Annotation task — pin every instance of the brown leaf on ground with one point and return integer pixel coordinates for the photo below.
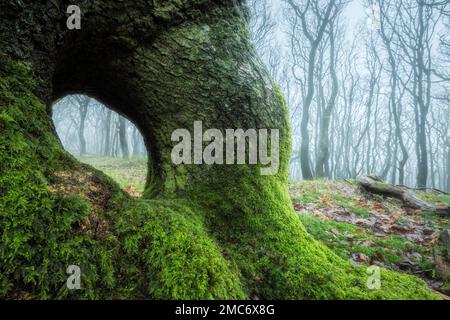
(88, 186)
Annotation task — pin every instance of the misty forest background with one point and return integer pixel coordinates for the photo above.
(366, 83)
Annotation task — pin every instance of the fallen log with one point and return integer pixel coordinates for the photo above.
(376, 185)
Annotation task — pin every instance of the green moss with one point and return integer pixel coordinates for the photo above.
(277, 257)
(362, 212)
(444, 199)
(435, 198)
(226, 233)
(153, 250)
(40, 229)
(308, 197)
(168, 242)
(434, 221)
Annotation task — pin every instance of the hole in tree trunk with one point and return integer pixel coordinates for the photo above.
(104, 139)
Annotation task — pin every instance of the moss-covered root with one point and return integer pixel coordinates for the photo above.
(277, 257)
(167, 242)
(144, 249)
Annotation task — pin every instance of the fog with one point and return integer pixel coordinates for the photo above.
(87, 127)
(366, 83)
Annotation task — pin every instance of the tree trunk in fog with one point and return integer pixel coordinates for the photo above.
(82, 138)
(314, 38)
(83, 104)
(136, 143)
(395, 102)
(107, 146)
(432, 173)
(405, 156)
(448, 166)
(396, 109)
(115, 141)
(305, 139)
(375, 68)
(418, 41)
(421, 139)
(123, 138)
(324, 139)
(395, 155)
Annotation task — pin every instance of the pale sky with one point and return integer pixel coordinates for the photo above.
(354, 13)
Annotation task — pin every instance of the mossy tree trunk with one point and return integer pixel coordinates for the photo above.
(219, 231)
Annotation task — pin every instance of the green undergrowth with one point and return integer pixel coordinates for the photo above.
(439, 199)
(128, 173)
(346, 239)
(234, 236)
(322, 194)
(434, 221)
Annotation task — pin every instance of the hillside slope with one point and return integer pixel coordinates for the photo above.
(370, 229)
(363, 228)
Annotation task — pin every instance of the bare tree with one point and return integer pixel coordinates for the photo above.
(82, 103)
(322, 165)
(310, 20)
(414, 33)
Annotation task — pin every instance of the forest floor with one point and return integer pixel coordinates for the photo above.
(363, 228)
(130, 173)
(370, 229)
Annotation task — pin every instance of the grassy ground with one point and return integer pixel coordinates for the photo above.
(437, 198)
(130, 173)
(369, 229)
(366, 229)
